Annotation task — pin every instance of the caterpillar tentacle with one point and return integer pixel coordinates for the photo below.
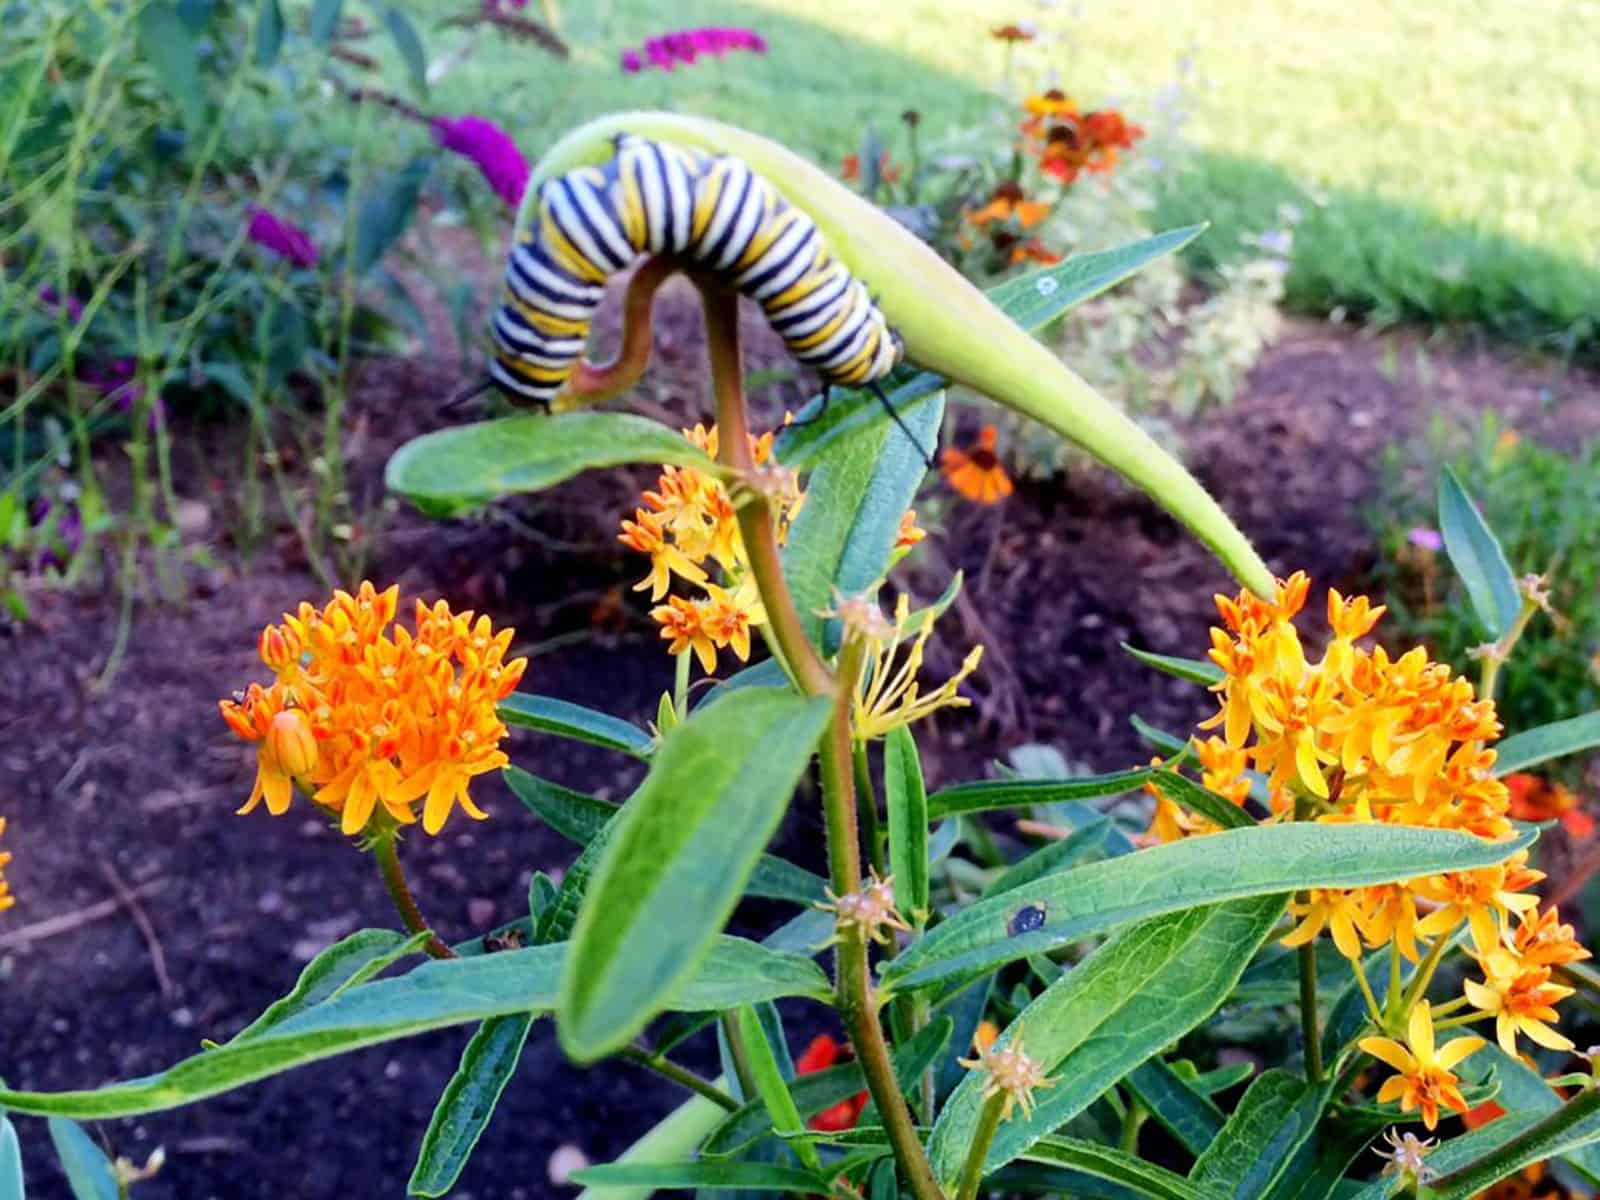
(653, 198)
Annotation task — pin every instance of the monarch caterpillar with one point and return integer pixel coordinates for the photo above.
(711, 210)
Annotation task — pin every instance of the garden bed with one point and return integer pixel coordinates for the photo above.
(133, 787)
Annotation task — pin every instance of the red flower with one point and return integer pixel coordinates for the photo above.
(821, 1054)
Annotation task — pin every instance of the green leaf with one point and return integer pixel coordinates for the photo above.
(1215, 808)
(269, 33)
(1320, 1165)
(88, 1170)
(907, 801)
(1142, 990)
(1195, 670)
(1556, 740)
(713, 1176)
(823, 1089)
(1167, 743)
(385, 216)
(1573, 1126)
(1525, 1092)
(858, 490)
(406, 41)
(685, 845)
(580, 818)
(171, 49)
(325, 20)
(1057, 856)
(1274, 1118)
(1103, 1162)
(990, 794)
(452, 471)
(1477, 557)
(1182, 1110)
(564, 719)
(772, 1088)
(11, 1183)
(468, 1102)
(435, 995)
(349, 961)
(1262, 860)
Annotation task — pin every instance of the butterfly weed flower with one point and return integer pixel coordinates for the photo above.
(1423, 1079)
(1521, 998)
(888, 694)
(365, 714)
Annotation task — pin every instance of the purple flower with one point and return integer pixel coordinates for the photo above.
(687, 45)
(283, 238)
(491, 148)
(68, 531)
(1427, 539)
(51, 299)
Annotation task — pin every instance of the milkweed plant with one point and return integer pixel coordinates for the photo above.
(1329, 853)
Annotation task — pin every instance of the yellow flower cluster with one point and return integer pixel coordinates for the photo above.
(361, 715)
(6, 898)
(1358, 736)
(888, 693)
(688, 521)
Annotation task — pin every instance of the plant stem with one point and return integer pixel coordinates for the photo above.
(1132, 1122)
(668, 1069)
(867, 808)
(853, 995)
(1497, 657)
(1366, 990)
(978, 1154)
(594, 382)
(1423, 975)
(1307, 960)
(384, 849)
(680, 685)
(741, 1059)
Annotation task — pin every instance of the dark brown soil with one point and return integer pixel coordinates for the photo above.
(141, 779)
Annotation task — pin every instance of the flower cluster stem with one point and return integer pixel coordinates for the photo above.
(853, 997)
(1307, 961)
(978, 1154)
(385, 848)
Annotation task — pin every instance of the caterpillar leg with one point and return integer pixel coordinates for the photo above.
(465, 395)
(822, 411)
(877, 390)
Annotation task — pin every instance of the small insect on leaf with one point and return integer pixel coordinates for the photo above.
(1026, 919)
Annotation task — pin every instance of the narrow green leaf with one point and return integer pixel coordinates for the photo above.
(1195, 798)
(1319, 1167)
(1262, 860)
(773, 1090)
(549, 715)
(452, 471)
(907, 801)
(857, 491)
(1209, 1083)
(823, 1089)
(435, 995)
(1556, 740)
(1057, 856)
(885, 1182)
(542, 893)
(11, 1183)
(1166, 743)
(269, 33)
(404, 35)
(1524, 1091)
(1573, 1126)
(1450, 1155)
(351, 960)
(713, 1176)
(990, 794)
(1477, 557)
(1274, 1118)
(385, 216)
(169, 46)
(559, 919)
(88, 1170)
(1140, 991)
(468, 1102)
(1195, 670)
(1103, 1162)
(580, 818)
(325, 20)
(1182, 1110)
(685, 845)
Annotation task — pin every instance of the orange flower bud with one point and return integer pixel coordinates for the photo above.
(291, 743)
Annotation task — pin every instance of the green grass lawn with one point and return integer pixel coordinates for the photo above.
(1446, 155)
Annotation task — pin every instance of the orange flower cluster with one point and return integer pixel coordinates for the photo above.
(362, 715)
(1006, 217)
(888, 169)
(6, 898)
(687, 522)
(1067, 143)
(976, 472)
(1358, 736)
(1535, 799)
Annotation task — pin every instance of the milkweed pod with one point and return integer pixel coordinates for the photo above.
(947, 325)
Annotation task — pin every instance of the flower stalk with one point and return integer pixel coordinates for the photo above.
(854, 998)
(385, 848)
(972, 1169)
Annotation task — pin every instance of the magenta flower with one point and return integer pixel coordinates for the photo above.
(283, 238)
(1426, 539)
(687, 45)
(491, 148)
